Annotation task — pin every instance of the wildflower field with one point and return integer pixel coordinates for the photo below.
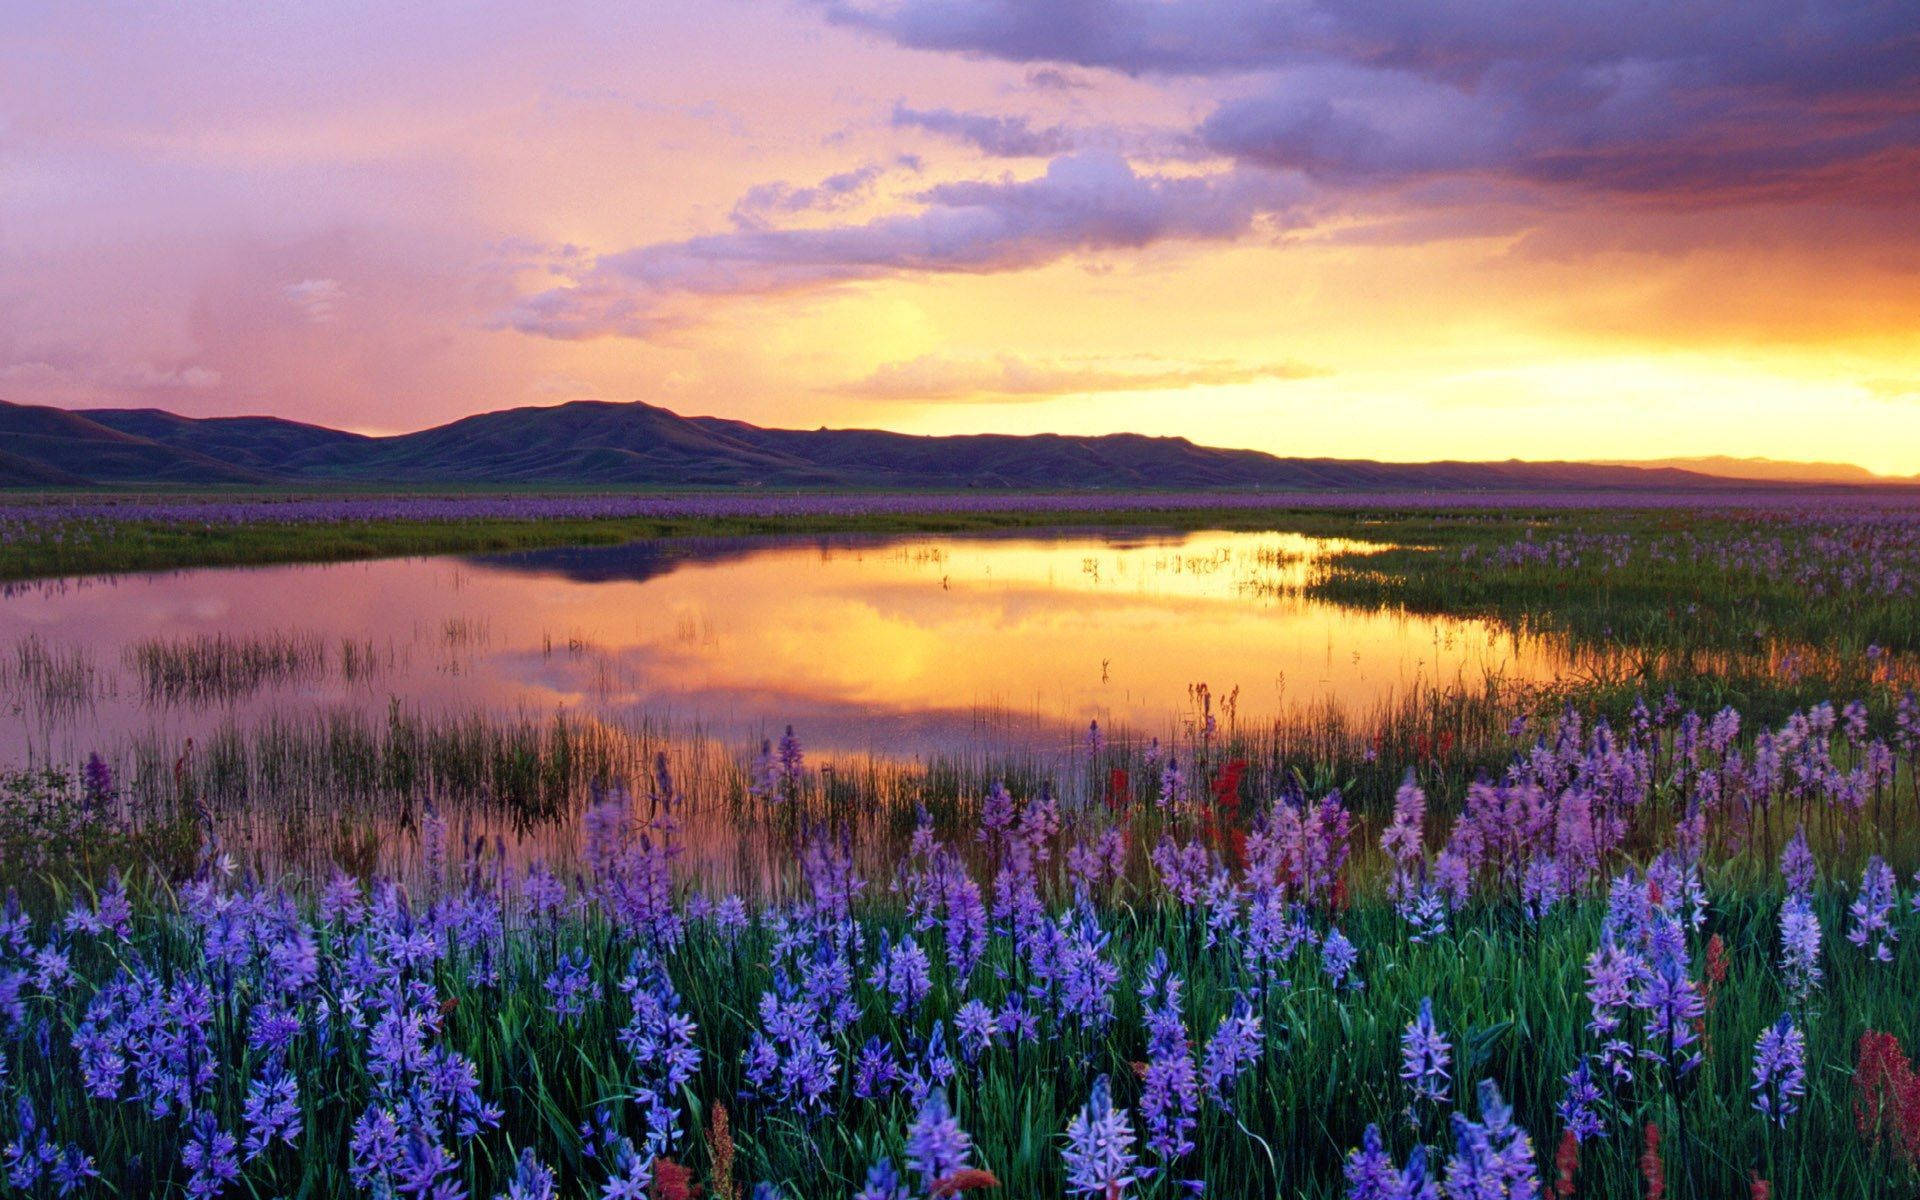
(1650, 933)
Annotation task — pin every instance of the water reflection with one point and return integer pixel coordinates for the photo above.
(897, 646)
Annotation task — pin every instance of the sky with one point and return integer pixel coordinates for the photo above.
(1395, 229)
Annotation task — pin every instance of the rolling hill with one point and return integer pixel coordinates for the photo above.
(602, 444)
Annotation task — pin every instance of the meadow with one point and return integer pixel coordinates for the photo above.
(1645, 932)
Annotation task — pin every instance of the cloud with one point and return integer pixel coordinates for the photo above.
(999, 136)
(1355, 125)
(63, 374)
(1083, 203)
(1053, 79)
(938, 377)
(1694, 103)
(317, 299)
(834, 192)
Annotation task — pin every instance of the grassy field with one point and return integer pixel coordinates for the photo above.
(1661, 908)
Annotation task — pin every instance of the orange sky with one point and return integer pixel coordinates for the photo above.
(1542, 230)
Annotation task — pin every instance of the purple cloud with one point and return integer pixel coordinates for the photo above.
(1084, 203)
(999, 136)
(833, 192)
(1699, 103)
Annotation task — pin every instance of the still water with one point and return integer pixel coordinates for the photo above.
(897, 646)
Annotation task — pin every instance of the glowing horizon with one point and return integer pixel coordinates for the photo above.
(1396, 232)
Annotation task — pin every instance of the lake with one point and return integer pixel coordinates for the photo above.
(891, 646)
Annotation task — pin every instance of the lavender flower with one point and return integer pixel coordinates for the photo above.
(1800, 947)
(1580, 1108)
(884, 1183)
(570, 986)
(1673, 1006)
(1425, 1058)
(977, 1026)
(1099, 1151)
(1337, 958)
(904, 973)
(1872, 911)
(936, 1145)
(1170, 1086)
(272, 1112)
(209, 1156)
(532, 1180)
(1404, 837)
(1371, 1174)
(1234, 1046)
(1779, 1070)
(1493, 1157)
(1797, 865)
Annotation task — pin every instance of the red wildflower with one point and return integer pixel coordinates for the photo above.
(1119, 788)
(966, 1179)
(671, 1181)
(1758, 1188)
(1886, 1096)
(1226, 785)
(1652, 1169)
(1566, 1161)
(720, 1151)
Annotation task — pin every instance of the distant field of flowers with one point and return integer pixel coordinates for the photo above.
(1666, 956)
(45, 535)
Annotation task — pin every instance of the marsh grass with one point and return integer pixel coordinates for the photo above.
(56, 682)
(218, 668)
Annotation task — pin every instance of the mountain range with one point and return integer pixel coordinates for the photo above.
(622, 445)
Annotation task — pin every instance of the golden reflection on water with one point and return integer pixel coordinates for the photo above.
(897, 646)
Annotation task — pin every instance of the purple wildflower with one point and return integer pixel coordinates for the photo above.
(1425, 1058)
(1371, 1174)
(977, 1026)
(1234, 1046)
(1779, 1070)
(1492, 1157)
(904, 973)
(531, 1180)
(209, 1156)
(1579, 1109)
(884, 1183)
(272, 1112)
(936, 1145)
(1099, 1151)
(1800, 947)
(1338, 957)
(571, 987)
(1797, 865)
(1872, 911)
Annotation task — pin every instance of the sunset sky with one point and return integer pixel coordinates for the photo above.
(1402, 229)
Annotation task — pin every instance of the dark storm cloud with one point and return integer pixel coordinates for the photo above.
(1704, 102)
